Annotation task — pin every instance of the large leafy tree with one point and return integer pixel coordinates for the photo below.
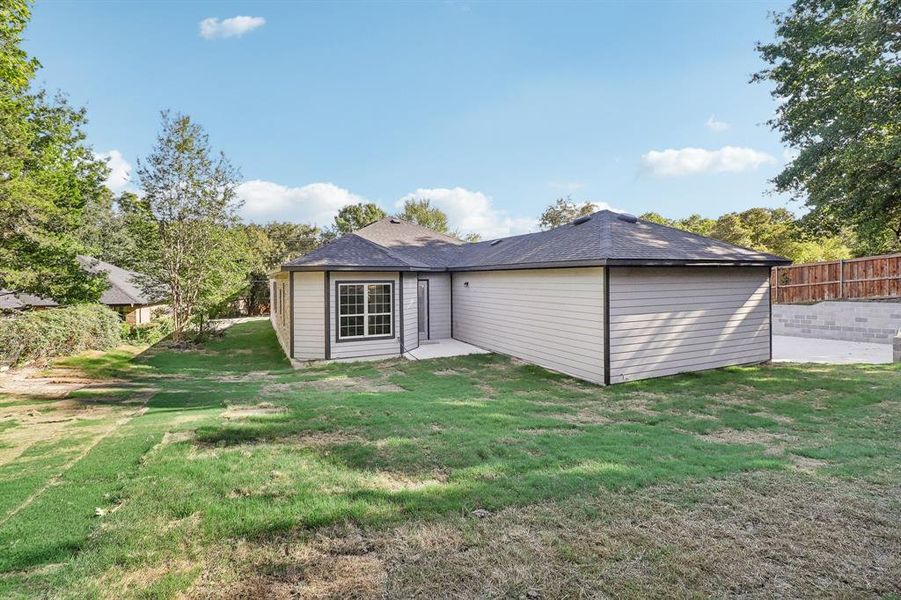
(199, 257)
(837, 74)
(421, 212)
(271, 245)
(353, 216)
(773, 230)
(47, 175)
(562, 211)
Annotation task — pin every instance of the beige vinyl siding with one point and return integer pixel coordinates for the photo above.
(439, 305)
(411, 337)
(309, 315)
(676, 319)
(363, 348)
(551, 317)
(278, 310)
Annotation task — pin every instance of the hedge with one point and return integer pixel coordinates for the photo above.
(42, 334)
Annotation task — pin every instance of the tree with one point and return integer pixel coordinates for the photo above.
(773, 230)
(272, 245)
(835, 70)
(47, 175)
(421, 212)
(563, 211)
(190, 193)
(353, 216)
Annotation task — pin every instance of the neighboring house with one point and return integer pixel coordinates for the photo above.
(123, 294)
(606, 298)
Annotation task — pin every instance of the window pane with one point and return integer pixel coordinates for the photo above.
(350, 327)
(379, 324)
(379, 298)
(350, 299)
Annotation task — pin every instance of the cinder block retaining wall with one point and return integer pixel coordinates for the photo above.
(874, 322)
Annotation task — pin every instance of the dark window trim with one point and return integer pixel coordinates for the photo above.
(338, 283)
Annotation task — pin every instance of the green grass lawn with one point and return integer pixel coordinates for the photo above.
(223, 472)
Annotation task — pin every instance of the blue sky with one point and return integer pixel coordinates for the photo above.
(492, 110)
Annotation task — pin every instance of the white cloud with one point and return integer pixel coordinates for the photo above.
(690, 161)
(120, 171)
(715, 125)
(213, 27)
(790, 154)
(472, 212)
(316, 203)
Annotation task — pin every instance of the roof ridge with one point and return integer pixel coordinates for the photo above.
(387, 251)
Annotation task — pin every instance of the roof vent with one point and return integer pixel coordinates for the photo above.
(495, 242)
(581, 220)
(627, 218)
(394, 220)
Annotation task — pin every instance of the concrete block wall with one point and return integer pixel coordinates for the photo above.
(874, 322)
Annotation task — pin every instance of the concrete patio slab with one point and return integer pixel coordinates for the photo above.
(816, 350)
(443, 349)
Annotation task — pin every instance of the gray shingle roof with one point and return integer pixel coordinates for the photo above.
(123, 288)
(605, 237)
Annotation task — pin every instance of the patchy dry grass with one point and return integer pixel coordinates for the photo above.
(220, 472)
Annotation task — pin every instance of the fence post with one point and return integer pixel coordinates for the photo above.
(841, 279)
(775, 286)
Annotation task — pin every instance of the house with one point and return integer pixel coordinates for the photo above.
(123, 295)
(606, 298)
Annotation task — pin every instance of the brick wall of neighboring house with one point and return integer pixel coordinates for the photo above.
(875, 322)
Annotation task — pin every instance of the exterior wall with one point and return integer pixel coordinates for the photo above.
(363, 348)
(439, 305)
(135, 315)
(278, 313)
(551, 317)
(676, 319)
(411, 314)
(309, 315)
(874, 322)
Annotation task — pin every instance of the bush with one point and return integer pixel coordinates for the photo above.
(42, 334)
(147, 333)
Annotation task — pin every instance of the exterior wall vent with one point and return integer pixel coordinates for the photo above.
(627, 218)
(581, 220)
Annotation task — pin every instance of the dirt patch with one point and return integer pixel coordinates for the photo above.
(448, 373)
(262, 409)
(324, 439)
(774, 442)
(252, 376)
(754, 535)
(333, 384)
(806, 464)
(335, 563)
(584, 416)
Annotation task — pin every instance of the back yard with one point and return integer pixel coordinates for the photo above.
(220, 472)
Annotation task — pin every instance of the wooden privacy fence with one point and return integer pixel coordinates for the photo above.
(865, 278)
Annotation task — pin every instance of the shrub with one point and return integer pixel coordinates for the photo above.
(147, 333)
(42, 334)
